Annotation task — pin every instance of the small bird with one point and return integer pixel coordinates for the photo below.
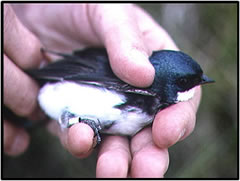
(81, 87)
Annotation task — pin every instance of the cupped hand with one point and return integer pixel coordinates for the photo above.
(129, 35)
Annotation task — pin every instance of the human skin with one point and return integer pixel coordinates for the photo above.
(130, 35)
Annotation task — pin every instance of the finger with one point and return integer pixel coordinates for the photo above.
(126, 49)
(20, 91)
(154, 35)
(194, 103)
(175, 122)
(149, 161)
(74, 31)
(113, 158)
(20, 45)
(16, 140)
(78, 139)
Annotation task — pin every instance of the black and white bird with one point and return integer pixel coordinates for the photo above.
(81, 87)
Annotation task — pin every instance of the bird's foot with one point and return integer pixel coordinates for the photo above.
(96, 128)
(67, 119)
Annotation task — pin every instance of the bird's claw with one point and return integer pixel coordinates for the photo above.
(96, 128)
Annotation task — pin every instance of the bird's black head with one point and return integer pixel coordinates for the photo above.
(175, 73)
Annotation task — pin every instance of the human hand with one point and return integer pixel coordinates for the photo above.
(129, 35)
(21, 51)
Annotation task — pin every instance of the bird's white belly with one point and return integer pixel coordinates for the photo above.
(86, 101)
(129, 123)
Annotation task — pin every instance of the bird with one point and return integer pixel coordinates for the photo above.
(81, 87)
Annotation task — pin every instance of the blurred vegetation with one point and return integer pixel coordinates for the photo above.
(207, 32)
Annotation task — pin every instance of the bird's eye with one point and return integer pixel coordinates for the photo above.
(183, 82)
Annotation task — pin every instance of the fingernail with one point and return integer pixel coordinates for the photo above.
(43, 63)
(181, 134)
(138, 55)
(20, 143)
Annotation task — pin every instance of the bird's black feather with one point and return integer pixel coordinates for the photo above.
(89, 66)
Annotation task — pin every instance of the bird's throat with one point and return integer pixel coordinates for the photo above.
(185, 96)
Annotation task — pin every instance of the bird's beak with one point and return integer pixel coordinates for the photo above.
(206, 80)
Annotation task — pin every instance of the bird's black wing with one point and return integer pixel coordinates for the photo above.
(89, 66)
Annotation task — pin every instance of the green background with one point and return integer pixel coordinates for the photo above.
(207, 32)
